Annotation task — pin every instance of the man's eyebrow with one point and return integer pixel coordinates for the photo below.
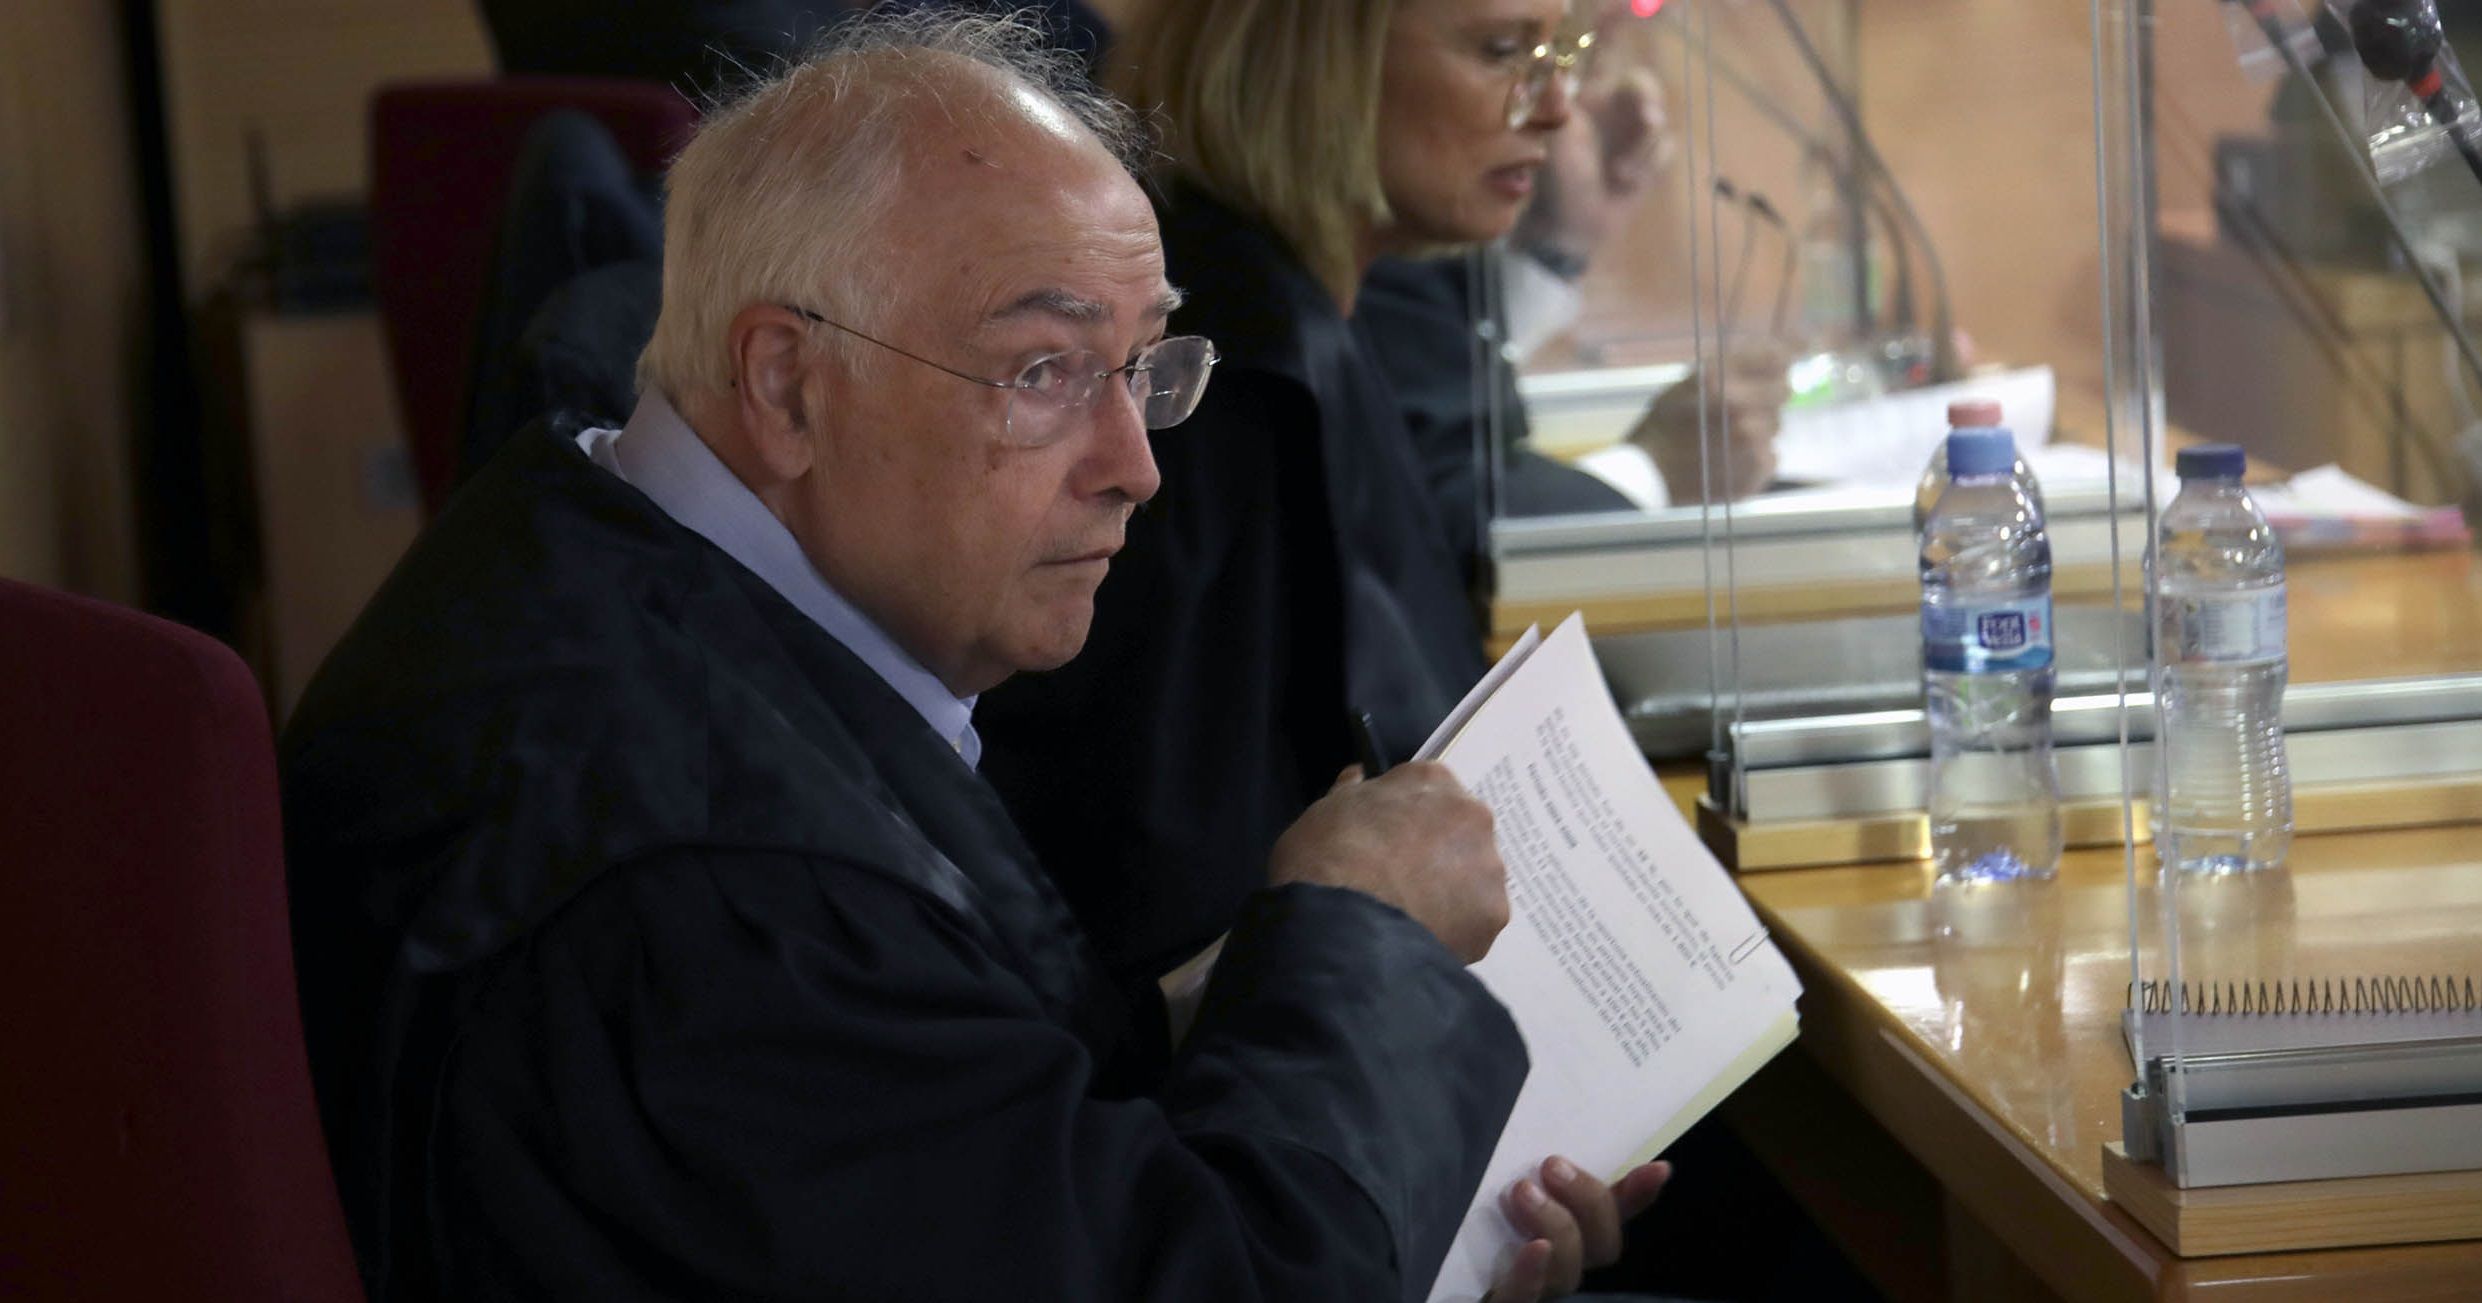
(1053, 302)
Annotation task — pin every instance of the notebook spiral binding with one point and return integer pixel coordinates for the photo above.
(2358, 995)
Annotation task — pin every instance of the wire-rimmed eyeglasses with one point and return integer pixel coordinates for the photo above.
(1166, 379)
(1563, 60)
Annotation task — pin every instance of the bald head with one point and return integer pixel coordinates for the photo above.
(865, 260)
(786, 194)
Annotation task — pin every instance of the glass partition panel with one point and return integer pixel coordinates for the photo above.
(2293, 274)
(2144, 228)
(1848, 234)
(2136, 226)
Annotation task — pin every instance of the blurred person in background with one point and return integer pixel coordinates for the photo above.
(1431, 329)
(1297, 568)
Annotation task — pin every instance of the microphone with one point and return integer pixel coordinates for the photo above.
(1765, 212)
(1755, 209)
(2400, 41)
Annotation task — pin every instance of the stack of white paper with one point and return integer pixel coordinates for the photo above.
(1643, 984)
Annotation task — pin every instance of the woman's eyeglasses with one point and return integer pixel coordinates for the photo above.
(1563, 61)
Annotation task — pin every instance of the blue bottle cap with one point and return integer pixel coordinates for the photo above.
(2211, 461)
(1989, 451)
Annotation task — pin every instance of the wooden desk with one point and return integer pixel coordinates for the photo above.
(1960, 1064)
(1980, 1030)
(2370, 617)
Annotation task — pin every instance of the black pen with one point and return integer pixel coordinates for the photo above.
(1366, 744)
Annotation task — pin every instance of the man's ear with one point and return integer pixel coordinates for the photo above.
(770, 388)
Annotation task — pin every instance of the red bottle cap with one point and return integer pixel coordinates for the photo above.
(1971, 413)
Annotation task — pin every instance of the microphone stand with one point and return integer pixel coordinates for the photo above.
(1943, 366)
(1813, 147)
(1754, 210)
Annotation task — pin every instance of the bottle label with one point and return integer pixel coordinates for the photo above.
(2221, 628)
(1988, 637)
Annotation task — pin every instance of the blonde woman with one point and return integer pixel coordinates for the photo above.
(1293, 575)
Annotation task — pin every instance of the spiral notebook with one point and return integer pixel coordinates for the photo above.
(2230, 1017)
(2244, 1083)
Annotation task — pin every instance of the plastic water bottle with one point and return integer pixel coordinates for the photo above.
(2223, 794)
(1966, 414)
(1986, 670)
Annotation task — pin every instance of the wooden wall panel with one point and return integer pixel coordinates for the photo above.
(71, 285)
(322, 428)
(300, 73)
(1985, 110)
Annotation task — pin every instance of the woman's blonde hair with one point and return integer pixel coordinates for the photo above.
(1271, 106)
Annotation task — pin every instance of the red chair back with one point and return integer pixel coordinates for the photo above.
(158, 1137)
(441, 157)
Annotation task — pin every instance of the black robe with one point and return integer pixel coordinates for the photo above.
(1293, 567)
(1422, 325)
(652, 947)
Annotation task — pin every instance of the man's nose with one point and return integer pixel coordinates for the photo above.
(1123, 462)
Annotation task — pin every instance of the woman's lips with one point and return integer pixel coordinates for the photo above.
(1515, 181)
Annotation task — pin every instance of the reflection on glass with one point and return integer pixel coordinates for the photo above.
(2251, 292)
(2235, 927)
(1777, 280)
(2288, 318)
(1997, 958)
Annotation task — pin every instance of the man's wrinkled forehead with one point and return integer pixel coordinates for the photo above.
(958, 117)
(1016, 211)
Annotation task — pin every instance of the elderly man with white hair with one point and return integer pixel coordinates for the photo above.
(657, 936)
